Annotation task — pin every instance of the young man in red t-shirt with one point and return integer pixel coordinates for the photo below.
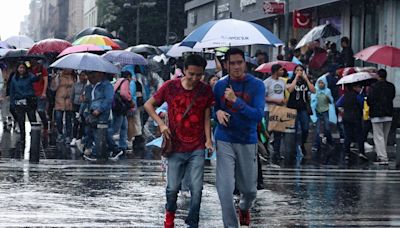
(40, 88)
(190, 134)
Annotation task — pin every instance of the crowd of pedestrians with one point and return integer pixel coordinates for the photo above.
(201, 112)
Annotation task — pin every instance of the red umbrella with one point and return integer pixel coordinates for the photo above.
(49, 46)
(81, 48)
(266, 67)
(380, 54)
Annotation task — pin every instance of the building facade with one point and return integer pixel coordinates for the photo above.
(90, 12)
(75, 17)
(365, 22)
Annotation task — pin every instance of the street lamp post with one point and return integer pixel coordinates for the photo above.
(137, 7)
(138, 22)
(168, 12)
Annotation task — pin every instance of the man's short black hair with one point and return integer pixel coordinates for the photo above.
(345, 39)
(234, 51)
(275, 68)
(382, 73)
(195, 60)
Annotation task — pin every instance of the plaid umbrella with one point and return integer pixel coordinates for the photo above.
(125, 58)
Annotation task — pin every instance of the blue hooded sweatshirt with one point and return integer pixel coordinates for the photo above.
(246, 112)
(314, 100)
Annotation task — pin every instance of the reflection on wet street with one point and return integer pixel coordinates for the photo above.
(64, 190)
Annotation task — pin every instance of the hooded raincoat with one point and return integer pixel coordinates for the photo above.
(326, 91)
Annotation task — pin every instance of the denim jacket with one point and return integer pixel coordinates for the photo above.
(102, 100)
(21, 88)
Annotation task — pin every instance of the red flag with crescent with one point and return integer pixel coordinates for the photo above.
(302, 19)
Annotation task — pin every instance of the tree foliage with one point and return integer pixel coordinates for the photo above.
(153, 21)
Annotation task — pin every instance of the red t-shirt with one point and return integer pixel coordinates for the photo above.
(39, 85)
(188, 135)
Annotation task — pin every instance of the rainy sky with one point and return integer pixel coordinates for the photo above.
(12, 12)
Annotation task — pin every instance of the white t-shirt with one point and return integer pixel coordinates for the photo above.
(274, 88)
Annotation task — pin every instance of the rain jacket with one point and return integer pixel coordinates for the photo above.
(103, 98)
(22, 88)
(64, 93)
(326, 91)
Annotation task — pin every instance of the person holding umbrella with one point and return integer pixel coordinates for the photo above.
(239, 107)
(22, 96)
(380, 101)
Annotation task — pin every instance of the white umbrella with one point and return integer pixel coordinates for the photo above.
(85, 62)
(322, 31)
(230, 32)
(177, 50)
(356, 77)
(3, 51)
(20, 41)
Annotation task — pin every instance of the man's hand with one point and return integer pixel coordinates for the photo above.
(96, 113)
(165, 131)
(230, 94)
(223, 117)
(209, 148)
(43, 95)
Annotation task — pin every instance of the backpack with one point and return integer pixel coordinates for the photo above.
(120, 105)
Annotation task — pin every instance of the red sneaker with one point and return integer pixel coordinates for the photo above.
(244, 217)
(169, 219)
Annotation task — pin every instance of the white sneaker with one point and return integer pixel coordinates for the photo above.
(87, 152)
(73, 142)
(79, 145)
(116, 137)
(368, 146)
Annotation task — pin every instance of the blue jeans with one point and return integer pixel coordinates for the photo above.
(178, 164)
(120, 123)
(327, 131)
(68, 122)
(41, 109)
(302, 126)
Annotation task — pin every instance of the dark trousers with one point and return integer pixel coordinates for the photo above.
(20, 112)
(352, 133)
(79, 126)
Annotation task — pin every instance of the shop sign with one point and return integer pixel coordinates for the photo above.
(274, 7)
(302, 19)
(244, 3)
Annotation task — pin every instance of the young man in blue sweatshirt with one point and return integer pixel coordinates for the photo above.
(239, 107)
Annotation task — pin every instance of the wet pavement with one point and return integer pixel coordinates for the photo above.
(64, 190)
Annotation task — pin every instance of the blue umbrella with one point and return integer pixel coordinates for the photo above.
(125, 58)
(230, 32)
(85, 62)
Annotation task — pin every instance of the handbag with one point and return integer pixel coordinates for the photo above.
(92, 121)
(166, 146)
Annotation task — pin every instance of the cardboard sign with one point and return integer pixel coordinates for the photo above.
(281, 118)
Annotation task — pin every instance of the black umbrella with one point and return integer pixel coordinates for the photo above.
(145, 50)
(121, 43)
(20, 55)
(92, 31)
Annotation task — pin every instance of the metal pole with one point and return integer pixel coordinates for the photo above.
(216, 10)
(286, 36)
(398, 148)
(138, 23)
(101, 140)
(34, 153)
(168, 12)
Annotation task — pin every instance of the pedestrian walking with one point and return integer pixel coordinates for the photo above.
(40, 88)
(22, 97)
(63, 104)
(102, 96)
(77, 93)
(275, 95)
(352, 103)
(299, 88)
(240, 101)
(323, 108)
(189, 129)
(380, 101)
